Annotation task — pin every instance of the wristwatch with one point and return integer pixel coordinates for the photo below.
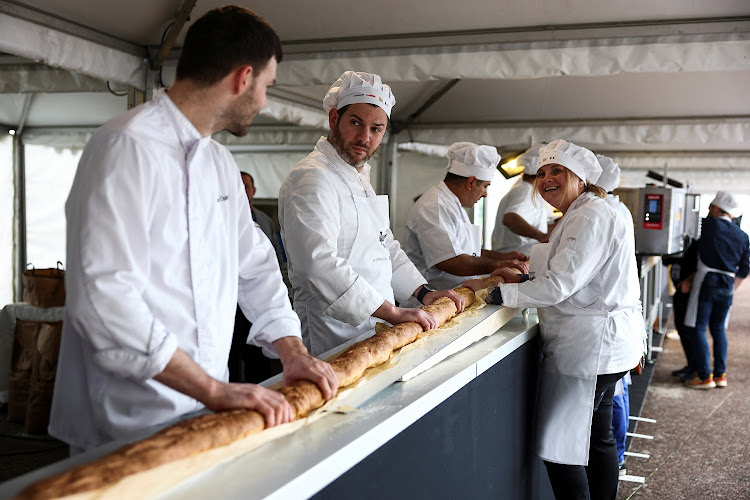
(422, 292)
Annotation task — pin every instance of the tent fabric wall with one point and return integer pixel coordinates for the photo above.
(62, 50)
(49, 176)
(268, 170)
(621, 135)
(720, 52)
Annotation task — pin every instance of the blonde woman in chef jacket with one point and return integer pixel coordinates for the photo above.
(587, 294)
(345, 266)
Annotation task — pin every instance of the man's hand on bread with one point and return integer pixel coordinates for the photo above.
(300, 365)
(271, 404)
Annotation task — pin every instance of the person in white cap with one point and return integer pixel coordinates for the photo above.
(608, 181)
(345, 266)
(522, 215)
(439, 237)
(587, 293)
(723, 262)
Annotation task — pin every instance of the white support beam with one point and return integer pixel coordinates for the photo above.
(544, 57)
(725, 135)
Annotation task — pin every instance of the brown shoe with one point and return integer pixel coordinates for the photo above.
(699, 383)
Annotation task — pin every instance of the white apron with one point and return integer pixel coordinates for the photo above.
(572, 348)
(371, 260)
(566, 397)
(691, 314)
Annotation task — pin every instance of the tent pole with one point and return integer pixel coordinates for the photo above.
(19, 218)
(387, 175)
(19, 201)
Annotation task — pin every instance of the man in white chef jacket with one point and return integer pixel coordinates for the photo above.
(345, 267)
(161, 248)
(439, 238)
(521, 220)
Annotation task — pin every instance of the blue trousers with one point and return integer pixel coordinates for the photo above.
(713, 307)
(621, 420)
(687, 333)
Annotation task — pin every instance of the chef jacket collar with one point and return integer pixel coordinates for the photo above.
(452, 196)
(186, 132)
(444, 187)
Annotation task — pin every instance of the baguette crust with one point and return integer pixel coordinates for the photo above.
(202, 433)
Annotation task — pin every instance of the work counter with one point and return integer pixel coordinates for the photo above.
(462, 428)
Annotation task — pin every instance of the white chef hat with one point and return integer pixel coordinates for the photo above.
(610, 178)
(577, 159)
(529, 160)
(728, 203)
(354, 87)
(471, 160)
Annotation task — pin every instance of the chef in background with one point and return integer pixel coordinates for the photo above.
(522, 214)
(265, 223)
(161, 248)
(587, 294)
(439, 237)
(608, 181)
(345, 267)
(723, 263)
(247, 363)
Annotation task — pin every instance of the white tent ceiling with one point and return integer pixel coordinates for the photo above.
(631, 78)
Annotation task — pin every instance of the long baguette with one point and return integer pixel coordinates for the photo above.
(203, 433)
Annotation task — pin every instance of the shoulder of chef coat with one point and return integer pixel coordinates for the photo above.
(436, 223)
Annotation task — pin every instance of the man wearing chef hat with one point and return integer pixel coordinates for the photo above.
(439, 237)
(522, 215)
(723, 262)
(345, 267)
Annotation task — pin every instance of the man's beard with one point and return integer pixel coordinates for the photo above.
(240, 116)
(337, 140)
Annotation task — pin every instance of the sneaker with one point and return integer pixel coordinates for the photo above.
(623, 471)
(721, 380)
(682, 372)
(699, 383)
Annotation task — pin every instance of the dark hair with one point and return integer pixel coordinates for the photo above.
(251, 177)
(340, 112)
(222, 40)
(451, 177)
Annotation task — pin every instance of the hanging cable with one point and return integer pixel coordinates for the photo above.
(115, 93)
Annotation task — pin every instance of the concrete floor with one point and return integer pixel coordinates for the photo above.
(701, 445)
